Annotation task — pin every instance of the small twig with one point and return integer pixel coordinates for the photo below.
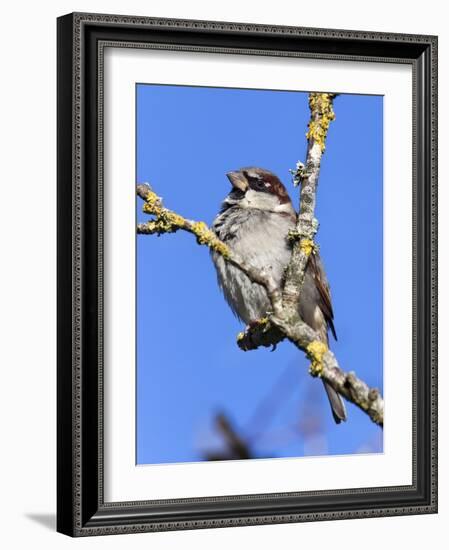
(236, 446)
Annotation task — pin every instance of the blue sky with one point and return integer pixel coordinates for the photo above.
(189, 367)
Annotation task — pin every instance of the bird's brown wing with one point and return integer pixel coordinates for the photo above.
(322, 286)
(325, 304)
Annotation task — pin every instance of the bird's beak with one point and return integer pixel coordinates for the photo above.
(238, 180)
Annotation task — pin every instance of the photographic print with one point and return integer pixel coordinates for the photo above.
(225, 370)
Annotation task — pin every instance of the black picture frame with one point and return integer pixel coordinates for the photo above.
(81, 510)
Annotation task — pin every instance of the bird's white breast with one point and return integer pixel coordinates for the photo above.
(260, 238)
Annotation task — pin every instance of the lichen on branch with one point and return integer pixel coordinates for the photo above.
(306, 175)
(315, 351)
(321, 107)
(167, 221)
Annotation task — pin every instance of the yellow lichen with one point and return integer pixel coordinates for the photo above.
(151, 227)
(166, 221)
(322, 114)
(307, 246)
(152, 204)
(315, 351)
(175, 219)
(220, 247)
(201, 230)
(205, 236)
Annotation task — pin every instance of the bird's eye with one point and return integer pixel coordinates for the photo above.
(259, 184)
(256, 182)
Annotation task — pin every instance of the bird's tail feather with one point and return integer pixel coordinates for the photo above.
(336, 403)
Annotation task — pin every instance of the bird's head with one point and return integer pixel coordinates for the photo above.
(259, 189)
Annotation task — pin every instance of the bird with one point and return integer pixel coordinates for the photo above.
(253, 221)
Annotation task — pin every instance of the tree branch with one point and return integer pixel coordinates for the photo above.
(321, 115)
(284, 320)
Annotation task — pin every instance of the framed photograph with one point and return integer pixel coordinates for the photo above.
(247, 278)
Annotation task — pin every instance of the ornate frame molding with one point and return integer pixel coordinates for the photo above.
(81, 41)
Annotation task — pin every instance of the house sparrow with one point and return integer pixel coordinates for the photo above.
(254, 221)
